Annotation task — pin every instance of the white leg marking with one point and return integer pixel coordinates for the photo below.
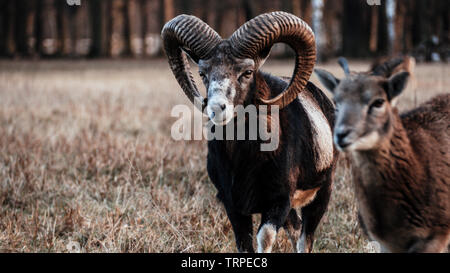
(301, 243)
(322, 135)
(266, 238)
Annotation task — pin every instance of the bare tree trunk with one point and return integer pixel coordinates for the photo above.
(399, 21)
(390, 18)
(49, 31)
(356, 28)
(373, 41)
(306, 11)
(30, 27)
(83, 30)
(332, 17)
(66, 29)
(3, 24)
(117, 28)
(212, 13)
(408, 41)
(153, 41)
(169, 10)
(258, 7)
(296, 8)
(11, 47)
(136, 42)
(105, 21)
(197, 8)
(231, 16)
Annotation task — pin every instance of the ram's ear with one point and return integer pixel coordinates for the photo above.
(263, 56)
(191, 55)
(396, 84)
(327, 79)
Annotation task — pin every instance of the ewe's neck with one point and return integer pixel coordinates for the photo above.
(393, 159)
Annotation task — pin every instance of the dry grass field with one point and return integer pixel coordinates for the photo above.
(87, 162)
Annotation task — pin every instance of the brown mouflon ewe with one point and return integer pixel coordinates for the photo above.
(400, 163)
(298, 173)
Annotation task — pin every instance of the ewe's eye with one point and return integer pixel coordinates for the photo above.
(377, 103)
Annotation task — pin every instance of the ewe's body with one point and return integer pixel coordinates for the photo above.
(298, 173)
(403, 186)
(400, 163)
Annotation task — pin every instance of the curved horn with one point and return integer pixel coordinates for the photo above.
(189, 33)
(344, 64)
(256, 37)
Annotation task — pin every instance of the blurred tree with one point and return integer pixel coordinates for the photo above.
(332, 18)
(118, 44)
(356, 28)
(11, 29)
(120, 27)
(303, 9)
(230, 16)
(169, 10)
(136, 30)
(66, 27)
(153, 27)
(83, 29)
(49, 28)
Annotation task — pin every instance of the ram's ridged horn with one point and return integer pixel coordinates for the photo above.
(255, 38)
(196, 37)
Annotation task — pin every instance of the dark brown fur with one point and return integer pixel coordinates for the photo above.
(250, 181)
(393, 65)
(403, 187)
(400, 163)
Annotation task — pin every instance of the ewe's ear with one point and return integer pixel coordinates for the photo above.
(396, 84)
(327, 79)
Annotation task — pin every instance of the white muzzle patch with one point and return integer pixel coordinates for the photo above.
(219, 109)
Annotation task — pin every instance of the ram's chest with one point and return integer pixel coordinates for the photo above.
(322, 136)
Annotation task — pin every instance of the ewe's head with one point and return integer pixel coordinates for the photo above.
(228, 66)
(363, 107)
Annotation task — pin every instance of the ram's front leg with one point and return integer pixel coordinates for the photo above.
(271, 221)
(243, 229)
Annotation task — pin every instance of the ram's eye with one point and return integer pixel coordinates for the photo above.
(202, 75)
(377, 103)
(248, 73)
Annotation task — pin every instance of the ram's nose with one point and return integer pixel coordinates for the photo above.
(219, 107)
(219, 110)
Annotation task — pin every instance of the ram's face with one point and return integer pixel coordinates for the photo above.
(227, 80)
